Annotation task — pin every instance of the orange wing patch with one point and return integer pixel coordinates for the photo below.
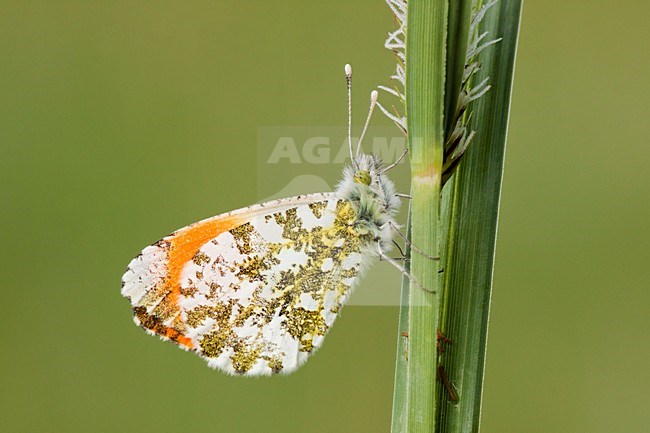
(152, 281)
(186, 243)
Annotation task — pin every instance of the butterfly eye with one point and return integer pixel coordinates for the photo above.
(362, 177)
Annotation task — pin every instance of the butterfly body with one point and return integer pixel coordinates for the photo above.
(255, 291)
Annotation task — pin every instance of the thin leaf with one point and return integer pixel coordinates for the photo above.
(399, 419)
(473, 196)
(460, 14)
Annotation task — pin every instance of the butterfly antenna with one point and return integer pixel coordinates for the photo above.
(373, 101)
(348, 80)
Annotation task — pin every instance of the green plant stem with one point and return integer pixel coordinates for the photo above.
(425, 86)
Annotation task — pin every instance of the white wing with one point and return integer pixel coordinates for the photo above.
(258, 296)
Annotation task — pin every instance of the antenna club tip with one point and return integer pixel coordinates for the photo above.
(348, 69)
(374, 95)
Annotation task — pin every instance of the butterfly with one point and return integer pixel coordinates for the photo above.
(255, 291)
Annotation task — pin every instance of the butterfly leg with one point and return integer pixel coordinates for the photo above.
(400, 259)
(383, 256)
(396, 162)
(401, 251)
(413, 247)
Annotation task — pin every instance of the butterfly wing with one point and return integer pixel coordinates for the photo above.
(254, 291)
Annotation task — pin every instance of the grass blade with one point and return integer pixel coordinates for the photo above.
(474, 202)
(460, 13)
(399, 417)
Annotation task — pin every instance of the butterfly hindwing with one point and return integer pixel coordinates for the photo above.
(254, 291)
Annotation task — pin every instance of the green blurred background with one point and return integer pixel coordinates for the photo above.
(121, 121)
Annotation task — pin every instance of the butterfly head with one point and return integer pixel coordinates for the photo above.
(362, 177)
(366, 172)
(373, 195)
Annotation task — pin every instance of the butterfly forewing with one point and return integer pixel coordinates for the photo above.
(254, 291)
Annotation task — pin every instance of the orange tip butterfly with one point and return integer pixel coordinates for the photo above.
(255, 291)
